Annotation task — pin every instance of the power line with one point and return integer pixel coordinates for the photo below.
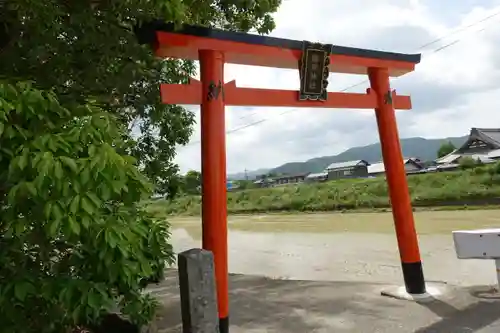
(438, 40)
(437, 50)
(461, 29)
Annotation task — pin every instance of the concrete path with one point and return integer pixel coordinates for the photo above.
(260, 305)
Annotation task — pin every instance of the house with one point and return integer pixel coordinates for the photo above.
(289, 179)
(443, 167)
(349, 169)
(263, 182)
(483, 144)
(317, 177)
(412, 165)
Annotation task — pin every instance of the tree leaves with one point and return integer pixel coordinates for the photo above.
(54, 227)
(70, 163)
(70, 193)
(75, 204)
(22, 289)
(445, 149)
(88, 52)
(74, 224)
(87, 206)
(23, 160)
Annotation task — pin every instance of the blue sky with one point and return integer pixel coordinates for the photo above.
(448, 97)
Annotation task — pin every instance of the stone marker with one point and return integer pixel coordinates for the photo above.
(198, 292)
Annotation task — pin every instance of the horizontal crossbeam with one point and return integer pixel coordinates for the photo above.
(191, 94)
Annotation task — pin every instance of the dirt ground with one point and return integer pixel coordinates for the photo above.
(344, 247)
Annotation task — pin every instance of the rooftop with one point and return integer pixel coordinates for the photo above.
(317, 175)
(379, 167)
(348, 164)
(291, 176)
(491, 134)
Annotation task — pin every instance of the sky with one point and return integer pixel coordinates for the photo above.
(452, 89)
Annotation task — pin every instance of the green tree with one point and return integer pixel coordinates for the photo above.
(83, 48)
(445, 149)
(192, 182)
(74, 241)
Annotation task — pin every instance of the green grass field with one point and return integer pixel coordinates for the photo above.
(347, 194)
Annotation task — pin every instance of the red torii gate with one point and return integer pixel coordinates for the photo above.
(213, 48)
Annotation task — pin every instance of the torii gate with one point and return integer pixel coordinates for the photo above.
(213, 48)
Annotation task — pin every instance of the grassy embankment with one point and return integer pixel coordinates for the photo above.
(430, 189)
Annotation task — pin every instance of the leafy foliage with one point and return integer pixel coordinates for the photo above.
(83, 48)
(468, 162)
(445, 149)
(73, 240)
(191, 182)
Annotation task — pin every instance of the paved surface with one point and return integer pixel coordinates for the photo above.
(260, 304)
(296, 251)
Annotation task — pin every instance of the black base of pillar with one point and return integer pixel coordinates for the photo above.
(414, 277)
(224, 325)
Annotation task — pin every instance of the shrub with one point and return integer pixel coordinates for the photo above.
(467, 163)
(74, 242)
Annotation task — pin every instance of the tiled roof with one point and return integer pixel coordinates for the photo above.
(317, 175)
(487, 135)
(491, 133)
(494, 153)
(291, 176)
(484, 158)
(380, 167)
(348, 164)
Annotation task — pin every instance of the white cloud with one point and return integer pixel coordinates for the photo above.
(454, 87)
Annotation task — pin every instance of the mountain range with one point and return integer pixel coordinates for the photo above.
(425, 149)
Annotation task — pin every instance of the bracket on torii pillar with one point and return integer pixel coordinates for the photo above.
(213, 48)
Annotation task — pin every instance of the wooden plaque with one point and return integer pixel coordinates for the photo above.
(314, 72)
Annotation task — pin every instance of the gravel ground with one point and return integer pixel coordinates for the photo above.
(344, 247)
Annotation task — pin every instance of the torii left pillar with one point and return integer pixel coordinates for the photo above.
(213, 170)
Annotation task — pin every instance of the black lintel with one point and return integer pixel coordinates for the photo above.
(146, 34)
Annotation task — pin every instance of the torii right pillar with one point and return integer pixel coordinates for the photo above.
(398, 186)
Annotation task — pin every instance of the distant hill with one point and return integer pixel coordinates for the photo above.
(425, 149)
(250, 174)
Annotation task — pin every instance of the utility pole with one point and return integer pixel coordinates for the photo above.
(246, 174)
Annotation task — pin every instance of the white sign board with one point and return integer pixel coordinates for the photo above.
(477, 244)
